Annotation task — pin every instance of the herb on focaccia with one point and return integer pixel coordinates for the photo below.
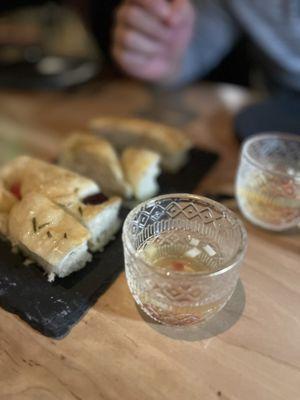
(34, 224)
(43, 225)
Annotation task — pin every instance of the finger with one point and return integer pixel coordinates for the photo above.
(159, 8)
(139, 66)
(131, 62)
(129, 57)
(134, 40)
(139, 19)
(181, 10)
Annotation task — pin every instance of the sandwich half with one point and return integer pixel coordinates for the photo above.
(170, 143)
(141, 168)
(96, 159)
(48, 235)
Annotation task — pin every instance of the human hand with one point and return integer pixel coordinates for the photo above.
(151, 37)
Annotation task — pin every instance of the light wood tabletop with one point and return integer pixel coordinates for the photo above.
(250, 350)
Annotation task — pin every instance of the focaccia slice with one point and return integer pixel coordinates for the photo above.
(102, 220)
(170, 143)
(96, 159)
(48, 235)
(26, 174)
(141, 168)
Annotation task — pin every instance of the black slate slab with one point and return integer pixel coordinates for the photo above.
(186, 180)
(54, 308)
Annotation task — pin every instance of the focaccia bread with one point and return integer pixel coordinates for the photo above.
(96, 159)
(32, 174)
(7, 200)
(170, 143)
(48, 235)
(12, 172)
(68, 190)
(141, 168)
(102, 220)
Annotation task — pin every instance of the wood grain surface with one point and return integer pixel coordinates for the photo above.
(251, 350)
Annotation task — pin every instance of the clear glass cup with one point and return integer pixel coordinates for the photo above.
(268, 181)
(182, 257)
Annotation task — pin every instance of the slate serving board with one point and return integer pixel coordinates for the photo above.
(54, 308)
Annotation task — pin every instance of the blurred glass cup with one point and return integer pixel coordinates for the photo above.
(182, 257)
(268, 181)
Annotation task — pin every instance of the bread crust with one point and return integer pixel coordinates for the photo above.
(7, 201)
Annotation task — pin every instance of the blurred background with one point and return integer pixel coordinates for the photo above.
(46, 44)
(58, 44)
(61, 46)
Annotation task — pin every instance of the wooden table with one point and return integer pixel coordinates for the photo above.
(251, 350)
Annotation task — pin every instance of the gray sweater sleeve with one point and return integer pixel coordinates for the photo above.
(214, 35)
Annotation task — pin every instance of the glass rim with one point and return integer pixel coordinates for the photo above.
(268, 135)
(230, 264)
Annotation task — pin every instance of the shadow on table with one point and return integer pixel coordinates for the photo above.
(224, 320)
